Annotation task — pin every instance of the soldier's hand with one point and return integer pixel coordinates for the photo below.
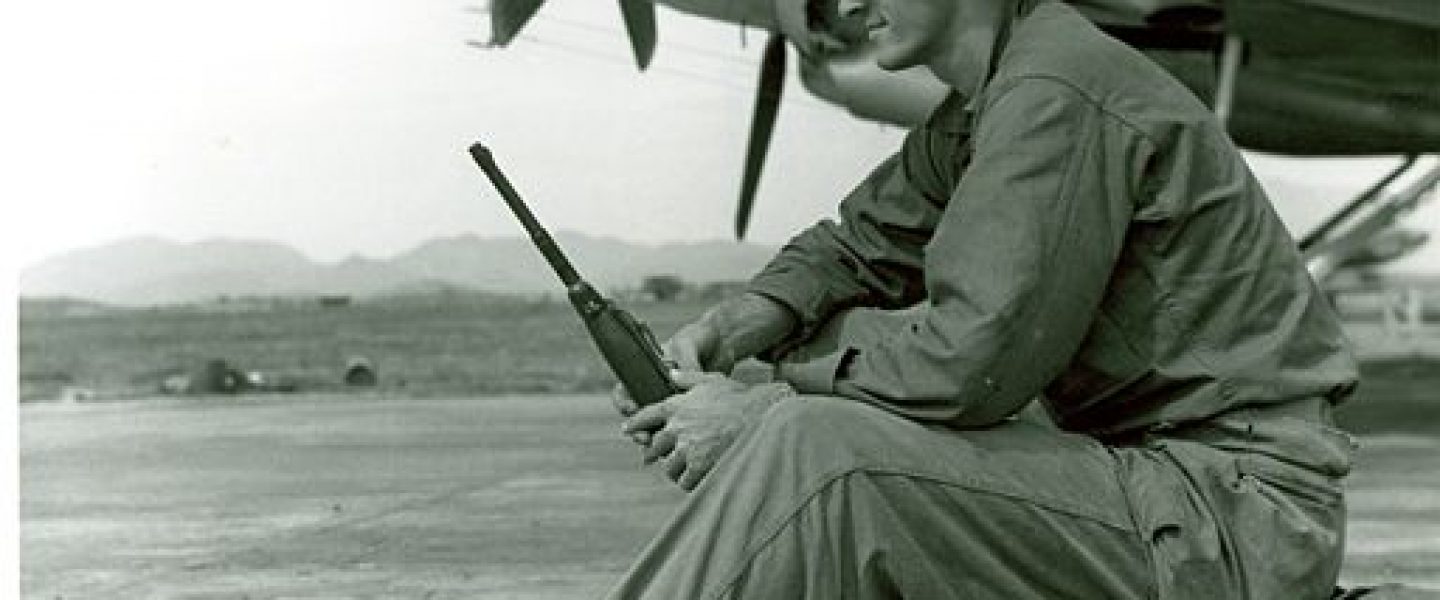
(688, 432)
(626, 406)
(691, 346)
(729, 332)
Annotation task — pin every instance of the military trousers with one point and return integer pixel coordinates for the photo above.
(829, 498)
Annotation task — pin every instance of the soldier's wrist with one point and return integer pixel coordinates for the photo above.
(756, 323)
(761, 397)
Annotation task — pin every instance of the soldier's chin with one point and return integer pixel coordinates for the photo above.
(892, 55)
(894, 61)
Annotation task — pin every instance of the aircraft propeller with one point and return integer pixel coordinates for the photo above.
(639, 16)
(508, 17)
(762, 125)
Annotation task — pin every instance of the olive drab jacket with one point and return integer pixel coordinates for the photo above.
(1083, 230)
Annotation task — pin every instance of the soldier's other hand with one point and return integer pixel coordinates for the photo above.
(689, 432)
(641, 430)
(627, 407)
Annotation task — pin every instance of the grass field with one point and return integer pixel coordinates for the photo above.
(423, 345)
(442, 482)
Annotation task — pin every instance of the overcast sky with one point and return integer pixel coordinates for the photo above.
(339, 127)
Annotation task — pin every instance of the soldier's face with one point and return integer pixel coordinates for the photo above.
(905, 33)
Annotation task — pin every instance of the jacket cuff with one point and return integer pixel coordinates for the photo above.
(816, 376)
(809, 301)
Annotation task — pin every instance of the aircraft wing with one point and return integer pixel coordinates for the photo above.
(1400, 29)
(1310, 77)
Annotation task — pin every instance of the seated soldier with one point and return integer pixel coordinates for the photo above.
(1073, 225)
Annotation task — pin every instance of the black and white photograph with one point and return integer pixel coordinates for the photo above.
(722, 299)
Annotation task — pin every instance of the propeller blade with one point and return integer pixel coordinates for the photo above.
(762, 124)
(507, 17)
(639, 16)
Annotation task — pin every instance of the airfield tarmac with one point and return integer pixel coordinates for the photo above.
(375, 496)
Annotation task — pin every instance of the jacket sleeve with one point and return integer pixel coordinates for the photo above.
(874, 255)
(1015, 271)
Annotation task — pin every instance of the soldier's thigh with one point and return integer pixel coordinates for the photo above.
(1014, 510)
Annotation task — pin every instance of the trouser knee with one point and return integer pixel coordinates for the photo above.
(811, 434)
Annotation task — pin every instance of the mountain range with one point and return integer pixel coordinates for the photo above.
(149, 270)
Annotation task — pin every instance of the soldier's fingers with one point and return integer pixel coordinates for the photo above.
(622, 401)
(692, 476)
(675, 465)
(661, 444)
(684, 348)
(649, 418)
(689, 379)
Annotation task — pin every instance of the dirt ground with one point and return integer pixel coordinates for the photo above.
(330, 497)
(389, 497)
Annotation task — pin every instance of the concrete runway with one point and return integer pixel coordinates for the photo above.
(373, 497)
